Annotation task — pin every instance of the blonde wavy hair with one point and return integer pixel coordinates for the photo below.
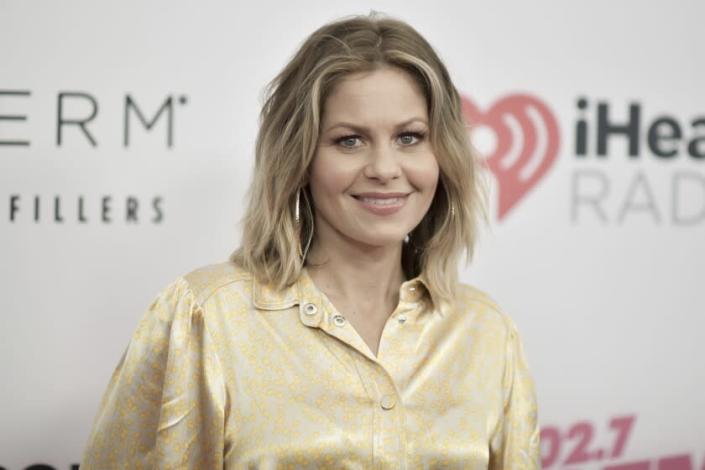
(288, 136)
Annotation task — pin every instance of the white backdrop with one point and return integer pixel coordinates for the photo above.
(600, 261)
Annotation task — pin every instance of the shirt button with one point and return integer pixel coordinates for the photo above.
(401, 318)
(310, 309)
(388, 402)
(339, 320)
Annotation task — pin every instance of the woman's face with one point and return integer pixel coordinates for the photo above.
(374, 173)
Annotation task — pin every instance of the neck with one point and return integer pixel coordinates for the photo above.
(357, 273)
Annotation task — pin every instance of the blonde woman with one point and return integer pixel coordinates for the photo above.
(338, 334)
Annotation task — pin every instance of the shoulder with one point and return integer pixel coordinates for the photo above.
(205, 281)
(204, 292)
(470, 300)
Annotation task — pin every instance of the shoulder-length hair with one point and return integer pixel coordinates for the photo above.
(288, 136)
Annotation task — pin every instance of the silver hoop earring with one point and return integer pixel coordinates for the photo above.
(450, 202)
(310, 233)
(297, 211)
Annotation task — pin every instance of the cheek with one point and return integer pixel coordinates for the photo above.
(328, 179)
(424, 175)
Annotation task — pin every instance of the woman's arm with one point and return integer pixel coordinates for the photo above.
(164, 406)
(515, 444)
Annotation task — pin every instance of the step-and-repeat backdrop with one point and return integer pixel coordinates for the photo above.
(126, 147)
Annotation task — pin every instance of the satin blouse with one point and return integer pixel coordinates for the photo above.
(225, 372)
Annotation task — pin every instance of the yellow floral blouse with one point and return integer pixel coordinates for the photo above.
(224, 372)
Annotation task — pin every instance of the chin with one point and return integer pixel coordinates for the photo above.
(382, 239)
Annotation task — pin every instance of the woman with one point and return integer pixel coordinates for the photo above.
(337, 335)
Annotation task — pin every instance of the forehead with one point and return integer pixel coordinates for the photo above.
(383, 96)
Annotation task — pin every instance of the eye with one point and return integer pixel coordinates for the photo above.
(348, 141)
(411, 138)
(353, 141)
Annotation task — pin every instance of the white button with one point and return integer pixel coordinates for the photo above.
(310, 309)
(388, 402)
(339, 320)
(401, 318)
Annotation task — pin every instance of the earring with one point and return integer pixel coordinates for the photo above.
(310, 232)
(406, 238)
(297, 211)
(450, 202)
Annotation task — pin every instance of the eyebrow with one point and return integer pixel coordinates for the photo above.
(363, 129)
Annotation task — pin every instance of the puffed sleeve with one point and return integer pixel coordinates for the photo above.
(164, 405)
(515, 444)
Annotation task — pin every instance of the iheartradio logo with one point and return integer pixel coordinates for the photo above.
(519, 137)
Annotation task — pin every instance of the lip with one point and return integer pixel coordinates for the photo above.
(387, 209)
(380, 195)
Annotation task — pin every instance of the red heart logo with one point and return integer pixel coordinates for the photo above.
(527, 144)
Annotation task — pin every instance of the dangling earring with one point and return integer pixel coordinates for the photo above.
(406, 238)
(297, 218)
(310, 233)
(450, 202)
(297, 211)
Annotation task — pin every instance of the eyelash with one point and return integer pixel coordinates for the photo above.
(418, 135)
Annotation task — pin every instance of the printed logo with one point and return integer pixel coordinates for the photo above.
(593, 446)
(76, 126)
(526, 144)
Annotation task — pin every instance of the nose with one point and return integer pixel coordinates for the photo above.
(383, 163)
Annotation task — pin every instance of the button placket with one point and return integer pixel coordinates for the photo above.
(310, 309)
(388, 401)
(310, 314)
(389, 439)
(335, 324)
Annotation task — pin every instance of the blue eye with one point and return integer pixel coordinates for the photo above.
(411, 138)
(406, 139)
(347, 141)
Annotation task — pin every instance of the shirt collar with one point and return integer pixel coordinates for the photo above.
(304, 291)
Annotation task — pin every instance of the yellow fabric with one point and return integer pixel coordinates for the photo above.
(223, 372)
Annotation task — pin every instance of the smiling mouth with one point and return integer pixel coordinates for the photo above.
(382, 203)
